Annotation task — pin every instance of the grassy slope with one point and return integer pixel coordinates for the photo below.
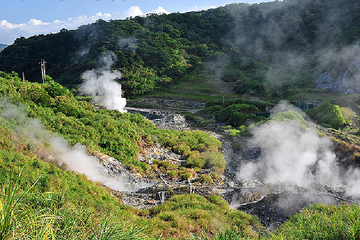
(322, 222)
(75, 207)
(67, 205)
(111, 132)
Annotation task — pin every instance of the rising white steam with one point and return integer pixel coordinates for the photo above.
(294, 153)
(74, 158)
(101, 85)
(77, 160)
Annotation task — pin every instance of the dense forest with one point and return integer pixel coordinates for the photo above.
(274, 48)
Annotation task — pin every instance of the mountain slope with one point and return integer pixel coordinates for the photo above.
(270, 46)
(2, 46)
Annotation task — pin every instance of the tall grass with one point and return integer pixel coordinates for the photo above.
(48, 216)
(11, 212)
(227, 234)
(322, 222)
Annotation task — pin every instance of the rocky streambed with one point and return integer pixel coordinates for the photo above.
(272, 203)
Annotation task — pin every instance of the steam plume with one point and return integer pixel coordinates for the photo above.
(294, 153)
(100, 83)
(74, 158)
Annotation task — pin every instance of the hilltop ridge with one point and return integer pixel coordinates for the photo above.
(276, 48)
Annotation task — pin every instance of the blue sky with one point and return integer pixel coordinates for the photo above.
(31, 17)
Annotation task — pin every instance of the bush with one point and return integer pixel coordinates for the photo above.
(36, 93)
(215, 161)
(328, 114)
(195, 160)
(54, 89)
(206, 178)
(237, 114)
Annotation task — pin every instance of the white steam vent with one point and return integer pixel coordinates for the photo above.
(294, 153)
(74, 158)
(101, 85)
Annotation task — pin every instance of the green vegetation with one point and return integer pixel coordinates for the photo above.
(222, 56)
(322, 222)
(199, 215)
(65, 205)
(110, 132)
(328, 114)
(62, 204)
(39, 200)
(262, 49)
(288, 115)
(235, 112)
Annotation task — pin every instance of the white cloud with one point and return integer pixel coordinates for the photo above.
(6, 25)
(11, 31)
(197, 8)
(134, 11)
(36, 22)
(103, 15)
(160, 10)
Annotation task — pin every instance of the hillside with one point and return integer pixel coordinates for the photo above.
(36, 179)
(39, 167)
(274, 48)
(36, 151)
(2, 46)
(212, 152)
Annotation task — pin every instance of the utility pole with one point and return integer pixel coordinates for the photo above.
(43, 73)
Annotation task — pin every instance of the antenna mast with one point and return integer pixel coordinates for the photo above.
(43, 72)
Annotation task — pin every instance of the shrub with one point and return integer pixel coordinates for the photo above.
(215, 161)
(174, 175)
(36, 93)
(195, 160)
(328, 114)
(206, 178)
(186, 173)
(288, 115)
(55, 89)
(237, 114)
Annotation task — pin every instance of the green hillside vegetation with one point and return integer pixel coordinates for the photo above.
(237, 112)
(322, 222)
(224, 57)
(62, 204)
(65, 205)
(259, 49)
(328, 114)
(58, 203)
(40, 200)
(120, 135)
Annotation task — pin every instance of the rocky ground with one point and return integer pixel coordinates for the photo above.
(273, 204)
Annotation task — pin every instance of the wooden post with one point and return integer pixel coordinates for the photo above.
(23, 76)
